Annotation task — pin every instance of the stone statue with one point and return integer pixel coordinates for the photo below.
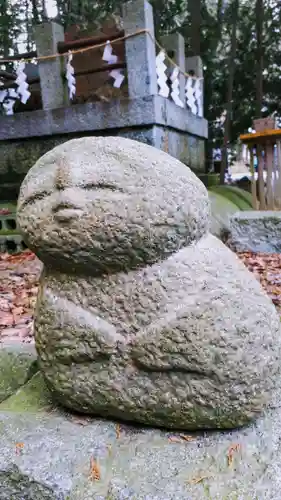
(142, 314)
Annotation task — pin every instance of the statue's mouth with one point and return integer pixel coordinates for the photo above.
(66, 212)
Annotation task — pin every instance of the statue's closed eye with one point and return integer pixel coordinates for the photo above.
(34, 197)
(101, 185)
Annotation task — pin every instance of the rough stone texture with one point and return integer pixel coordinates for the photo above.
(186, 148)
(140, 50)
(194, 64)
(142, 315)
(135, 463)
(16, 367)
(53, 86)
(17, 157)
(33, 397)
(134, 205)
(256, 231)
(100, 116)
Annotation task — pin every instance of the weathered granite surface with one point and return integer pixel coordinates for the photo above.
(17, 365)
(256, 231)
(142, 314)
(100, 116)
(46, 454)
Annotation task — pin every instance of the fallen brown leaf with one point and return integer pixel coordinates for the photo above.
(199, 479)
(94, 470)
(174, 439)
(6, 319)
(118, 431)
(17, 311)
(267, 269)
(231, 451)
(19, 448)
(19, 276)
(181, 438)
(187, 438)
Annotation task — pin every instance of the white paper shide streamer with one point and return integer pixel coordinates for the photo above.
(175, 95)
(161, 75)
(190, 95)
(110, 58)
(8, 97)
(22, 84)
(71, 82)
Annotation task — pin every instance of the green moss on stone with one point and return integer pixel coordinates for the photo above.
(32, 397)
(221, 209)
(209, 180)
(14, 371)
(242, 199)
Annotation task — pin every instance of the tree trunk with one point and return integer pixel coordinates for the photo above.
(195, 14)
(35, 13)
(219, 17)
(214, 45)
(5, 36)
(260, 55)
(259, 11)
(27, 27)
(44, 11)
(231, 73)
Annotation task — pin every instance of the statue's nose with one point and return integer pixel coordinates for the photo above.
(63, 178)
(67, 198)
(61, 182)
(66, 206)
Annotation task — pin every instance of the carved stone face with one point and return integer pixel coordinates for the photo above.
(90, 204)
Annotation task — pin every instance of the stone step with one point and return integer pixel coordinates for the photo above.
(47, 453)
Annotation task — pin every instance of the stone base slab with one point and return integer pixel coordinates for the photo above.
(256, 231)
(48, 454)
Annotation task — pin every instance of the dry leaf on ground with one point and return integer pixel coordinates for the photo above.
(199, 479)
(19, 448)
(231, 451)
(19, 276)
(94, 470)
(267, 269)
(118, 431)
(187, 438)
(181, 438)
